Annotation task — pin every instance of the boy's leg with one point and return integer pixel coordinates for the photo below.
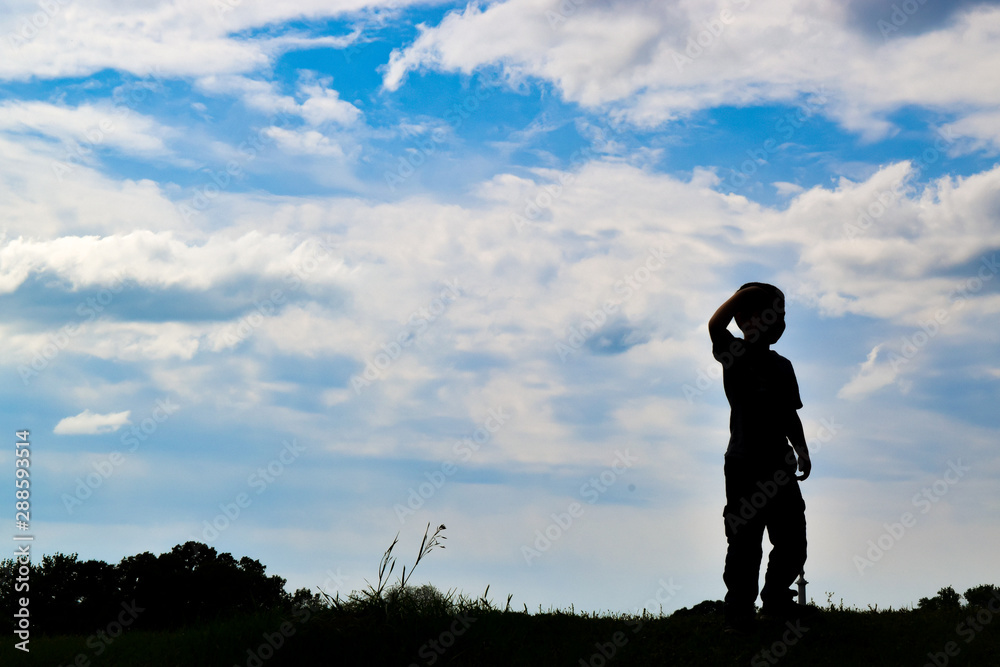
(744, 533)
(786, 530)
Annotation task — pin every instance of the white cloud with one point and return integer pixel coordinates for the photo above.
(179, 39)
(645, 60)
(321, 104)
(880, 248)
(889, 270)
(308, 142)
(392, 261)
(185, 38)
(155, 259)
(89, 423)
(255, 93)
(787, 189)
(520, 34)
(87, 126)
(870, 376)
(653, 62)
(981, 128)
(48, 192)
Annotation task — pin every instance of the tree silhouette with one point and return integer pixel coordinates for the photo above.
(946, 598)
(981, 596)
(189, 584)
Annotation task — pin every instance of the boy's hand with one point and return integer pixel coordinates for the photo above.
(727, 311)
(805, 466)
(798, 440)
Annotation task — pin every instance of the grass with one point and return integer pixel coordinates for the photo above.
(477, 634)
(404, 625)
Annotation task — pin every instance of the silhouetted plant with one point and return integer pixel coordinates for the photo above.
(946, 598)
(980, 596)
(189, 584)
(376, 593)
(305, 598)
(426, 600)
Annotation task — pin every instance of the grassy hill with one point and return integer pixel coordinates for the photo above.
(421, 627)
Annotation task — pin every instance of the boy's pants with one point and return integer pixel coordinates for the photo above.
(759, 497)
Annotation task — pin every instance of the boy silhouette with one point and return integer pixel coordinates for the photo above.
(762, 489)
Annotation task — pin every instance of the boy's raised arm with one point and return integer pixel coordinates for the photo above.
(722, 317)
(727, 311)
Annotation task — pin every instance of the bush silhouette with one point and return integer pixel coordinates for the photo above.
(189, 584)
(980, 596)
(426, 600)
(946, 598)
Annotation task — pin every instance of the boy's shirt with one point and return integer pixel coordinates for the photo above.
(761, 388)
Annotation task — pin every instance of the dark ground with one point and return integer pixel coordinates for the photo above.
(482, 636)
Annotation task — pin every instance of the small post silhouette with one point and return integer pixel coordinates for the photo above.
(802, 587)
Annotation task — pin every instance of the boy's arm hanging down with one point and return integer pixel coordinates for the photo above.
(798, 439)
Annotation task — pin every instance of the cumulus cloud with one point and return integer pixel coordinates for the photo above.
(90, 423)
(151, 259)
(617, 278)
(50, 193)
(847, 263)
(308, 142)
(653, 62)
(320, 103)
(88, 125)
(175, 39)
(870, 376)
(980, 129)
(323, 104)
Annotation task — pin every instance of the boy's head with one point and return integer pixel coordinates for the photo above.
(761, 317)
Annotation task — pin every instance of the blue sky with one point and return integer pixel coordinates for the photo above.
(350, 268)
